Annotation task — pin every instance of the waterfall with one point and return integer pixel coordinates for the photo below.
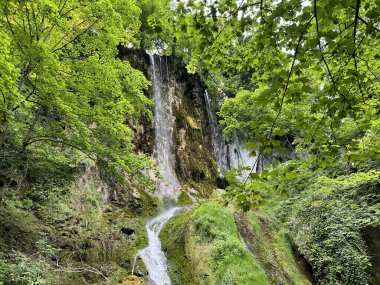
(216, 141)
(168, 188)
(228, 152)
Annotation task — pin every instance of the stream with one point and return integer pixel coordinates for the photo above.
(168, 187)
(153, 256)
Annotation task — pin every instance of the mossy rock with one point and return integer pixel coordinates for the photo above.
(193, 124)
(133, 280)
(184, 199)
(203, 247)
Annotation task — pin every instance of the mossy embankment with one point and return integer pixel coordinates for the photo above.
(76, 231)
(268, 240)
(213, 244)
(204, 246)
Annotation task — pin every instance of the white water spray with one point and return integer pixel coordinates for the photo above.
(229, 153)
(153, 256)
(168, 188)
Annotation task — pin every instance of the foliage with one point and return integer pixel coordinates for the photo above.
(326, 225)
(61, 82)
(20, 269)
(155, 32)
(301, 72)
(279, 182)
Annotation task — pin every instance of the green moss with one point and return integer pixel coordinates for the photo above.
(193, 124)
(174, 239)
(203, 247)
(146, 205)
(273, 247)
(286, 259)
(184, 199)
(84, 227)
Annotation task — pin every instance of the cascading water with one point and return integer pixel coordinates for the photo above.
(217, 141)
(229, 153)
(153, 256)
(168, 188)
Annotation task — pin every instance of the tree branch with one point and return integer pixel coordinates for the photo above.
(59, 141)
(13, 33)
(366, 23)
(26, 98)
(323, 56)
(5, 114)
(78, 36)
(288, 79)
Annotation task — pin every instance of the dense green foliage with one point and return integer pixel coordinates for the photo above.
(298, 77)
(296, 80)
(330, 215)
(66, 97)
(296, 72)
(62, 86)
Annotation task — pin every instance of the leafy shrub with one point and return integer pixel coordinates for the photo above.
(206, 229)
(226, 250)
(326, 226)
(20, 269)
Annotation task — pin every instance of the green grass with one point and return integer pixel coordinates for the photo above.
(273, 248)
(204, 248)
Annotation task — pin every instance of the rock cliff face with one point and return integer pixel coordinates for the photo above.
(194, 163)
(201, 152)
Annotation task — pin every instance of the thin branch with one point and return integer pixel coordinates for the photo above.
(357, 8)
(5, 114)
(261, 13)
(254, 166)
(63, 6)
(323, 56)
(78, 36)
(15, 21)
(356, 23)
(13, 33)
(59, 141)
(35, 18)
(346, 28)
(366, 23)
(289, 77)
(49, 33)
(27, 97)
(68, 11)
(29, 24)
(228, 23)
(79, 270)
(66, 34)
(369, 69)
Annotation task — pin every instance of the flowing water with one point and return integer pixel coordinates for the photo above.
(217, 142)
(153, 256)
(229, 153)
(168, 187)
